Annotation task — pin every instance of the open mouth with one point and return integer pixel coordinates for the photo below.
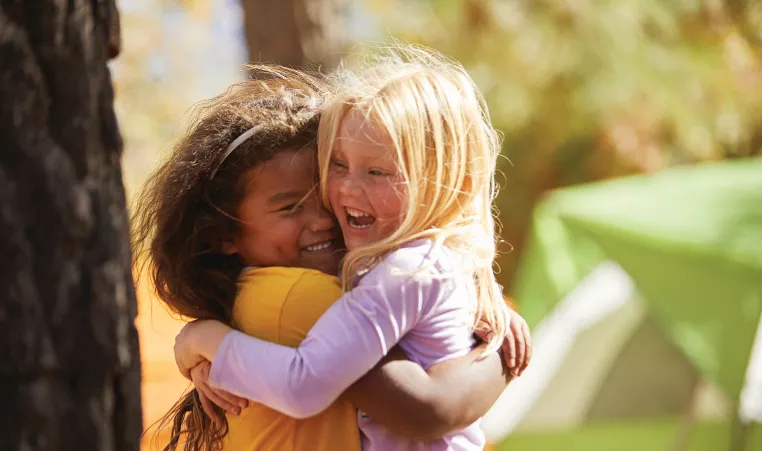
(319, 246)
(359, 219)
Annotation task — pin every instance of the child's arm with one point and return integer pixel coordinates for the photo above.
(347, 341)
(396, 392)
(450, 395)
(427, 405)
(421, 405)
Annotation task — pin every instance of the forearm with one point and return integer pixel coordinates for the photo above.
(396, 393)
(280, 377)
(464, 389)
(410, 402)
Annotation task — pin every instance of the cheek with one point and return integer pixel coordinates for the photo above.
(281, 240)
(390, 199)
(289, 233)
(332, 185)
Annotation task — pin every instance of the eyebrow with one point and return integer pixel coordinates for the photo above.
(285, 196)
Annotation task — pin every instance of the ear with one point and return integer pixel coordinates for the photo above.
(228, 247)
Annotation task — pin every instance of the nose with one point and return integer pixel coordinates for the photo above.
(321, 220)
(349, 186)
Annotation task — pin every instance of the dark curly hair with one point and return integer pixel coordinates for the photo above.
(183, 214)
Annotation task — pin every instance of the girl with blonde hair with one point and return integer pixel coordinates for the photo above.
(407, 157)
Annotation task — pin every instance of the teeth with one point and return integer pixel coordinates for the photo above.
(356, 213)
(356, 226)
(319, 246)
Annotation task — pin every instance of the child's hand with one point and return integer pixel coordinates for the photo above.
(198, 341)
(517, 343)
(210, 396)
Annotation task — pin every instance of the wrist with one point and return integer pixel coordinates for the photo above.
(209, 338)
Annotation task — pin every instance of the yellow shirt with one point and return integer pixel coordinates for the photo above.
(280, 305)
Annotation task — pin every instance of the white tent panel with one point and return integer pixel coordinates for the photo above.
(751, 396)
(599, 355)
(605, 291)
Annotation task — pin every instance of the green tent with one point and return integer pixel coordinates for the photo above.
(690, 240)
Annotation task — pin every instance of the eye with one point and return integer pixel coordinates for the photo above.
(291, 208)
(376, 172)
(338, 164)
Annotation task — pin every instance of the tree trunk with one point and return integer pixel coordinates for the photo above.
(69, 362)
(295, 33)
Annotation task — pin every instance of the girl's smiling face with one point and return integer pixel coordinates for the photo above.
(364, 184)
(282, 220)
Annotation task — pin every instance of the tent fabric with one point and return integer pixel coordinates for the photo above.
(599, 355)
(690, 238)
(567, 370)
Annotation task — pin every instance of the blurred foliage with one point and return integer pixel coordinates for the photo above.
(582, 89)
(585, 90)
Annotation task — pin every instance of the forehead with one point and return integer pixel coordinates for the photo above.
(287, 170)
(360, 136)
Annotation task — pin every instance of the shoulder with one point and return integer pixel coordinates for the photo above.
(413, 281)
(420, 266)
(276, 275)
(281, 304)
(280, 285)
(420, 257)
(286, 276)
(310, 280)
(307, 300)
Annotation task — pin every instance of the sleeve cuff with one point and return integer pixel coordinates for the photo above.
(220, 363)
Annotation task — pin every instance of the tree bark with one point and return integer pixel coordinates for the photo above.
(294, 33)
(69, 362)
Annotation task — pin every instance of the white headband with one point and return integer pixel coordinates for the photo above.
(237, 142)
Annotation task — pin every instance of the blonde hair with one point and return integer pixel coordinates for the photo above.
(446, 151)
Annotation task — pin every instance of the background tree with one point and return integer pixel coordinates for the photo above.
(69, 363)
(296, 33)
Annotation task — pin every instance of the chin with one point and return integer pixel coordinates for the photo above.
(361, 242)
(331, 268)
(354, 245)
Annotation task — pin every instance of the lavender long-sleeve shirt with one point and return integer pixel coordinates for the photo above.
(428, 314)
